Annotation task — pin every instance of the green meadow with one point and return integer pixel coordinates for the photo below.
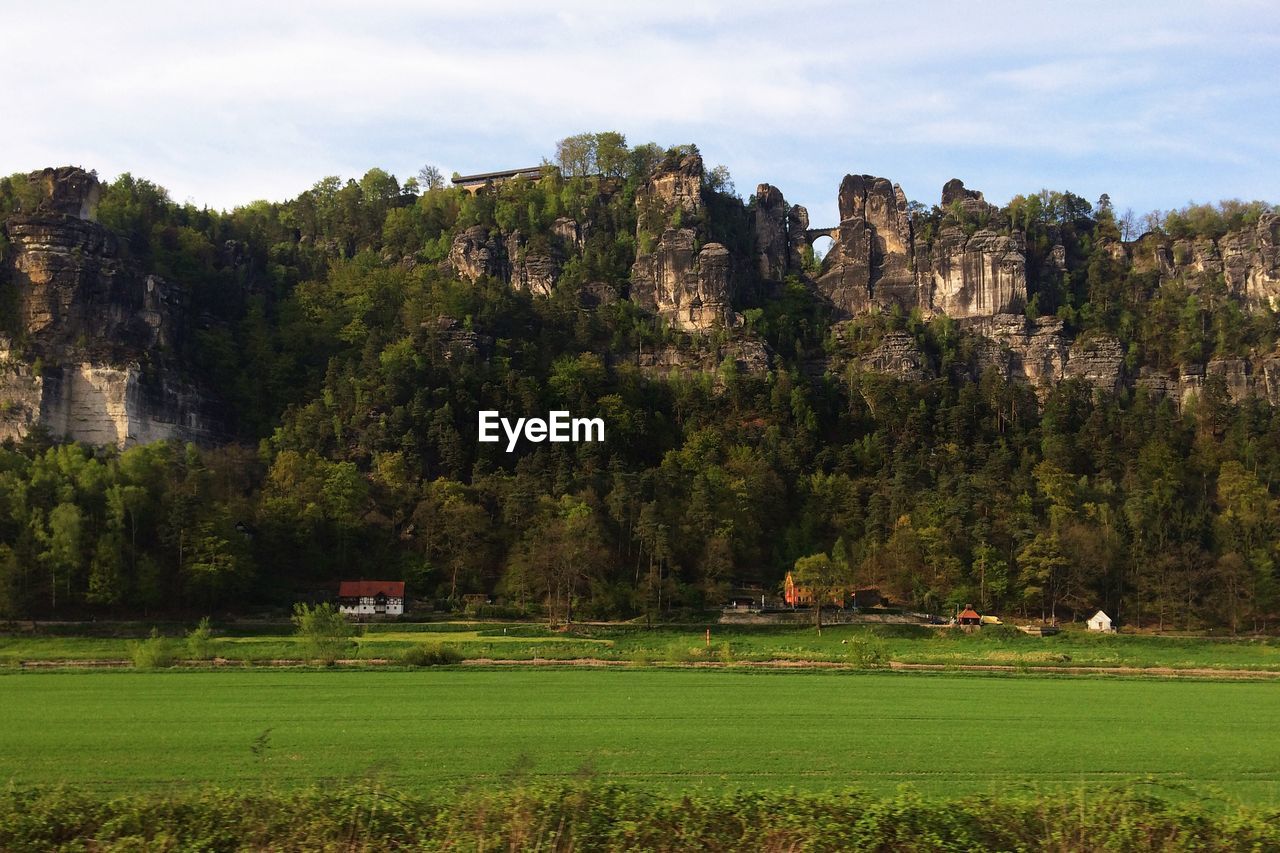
(661, 729)
(862, 644)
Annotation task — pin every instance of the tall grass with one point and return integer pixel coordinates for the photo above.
(588, 817)
(430, 654)
(155, 652)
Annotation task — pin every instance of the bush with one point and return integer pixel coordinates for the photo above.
(430, 654)
(325, 632)
(200, 641)
(867, 653)
(592, 816)
(679, 653)
(155, 652)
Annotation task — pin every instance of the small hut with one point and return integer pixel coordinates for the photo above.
(1100, 622)
(968, 616)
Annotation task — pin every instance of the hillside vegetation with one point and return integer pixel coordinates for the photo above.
(353, 361)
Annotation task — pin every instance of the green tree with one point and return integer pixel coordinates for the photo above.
(1043, 565)
(63, 548)
(325, 632)
(200, 640)
(824, 577)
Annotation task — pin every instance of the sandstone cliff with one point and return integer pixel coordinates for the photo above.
(690, 287)
(877, 261)
(90, 350)
(1248, 260)
(479, 253)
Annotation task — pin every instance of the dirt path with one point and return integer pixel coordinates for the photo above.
(1150, 671)
(895, 666)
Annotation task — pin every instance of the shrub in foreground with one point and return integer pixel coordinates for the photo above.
(325, 632)
(200, 641)
(155, 652)
(430, 654)
(586, 817)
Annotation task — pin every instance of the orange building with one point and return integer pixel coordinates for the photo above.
(801, 596)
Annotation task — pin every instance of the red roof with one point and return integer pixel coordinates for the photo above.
(369, 589)
(968, 613)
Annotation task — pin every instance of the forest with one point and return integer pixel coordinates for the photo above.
(329, 326)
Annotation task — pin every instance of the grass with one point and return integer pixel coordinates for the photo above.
(587, 817)
(902, 643)
(670, 730)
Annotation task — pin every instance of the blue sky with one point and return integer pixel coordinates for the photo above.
(222, 103)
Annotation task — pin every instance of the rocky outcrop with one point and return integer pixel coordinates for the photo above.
(672, 193)
(974, 267)
(531, 271)
(1098, 360)
(869, 263)
(570, 232)
(769, 222)
(898, 355)
(1251, 262)
(92, 357)
(456, 342)
(477, 254)
(74, 292)
(690, 288)
(748, 356)
(67, 191)
(1241, 378)
(781, 234)
(974, 276)
(1033, 351)
(692, 292)
(530, 266)
(1248, 260)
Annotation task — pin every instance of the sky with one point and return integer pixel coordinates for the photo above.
(223, 103)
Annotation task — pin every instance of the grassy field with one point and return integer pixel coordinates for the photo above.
(668, 729)
(902, 643)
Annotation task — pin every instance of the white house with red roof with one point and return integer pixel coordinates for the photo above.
(371, 598)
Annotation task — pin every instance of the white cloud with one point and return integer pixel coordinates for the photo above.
(226, 102)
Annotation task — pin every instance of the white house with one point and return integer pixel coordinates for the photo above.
(371, 598)
(1100, 622)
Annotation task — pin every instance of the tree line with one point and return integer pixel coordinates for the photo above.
(354, 364)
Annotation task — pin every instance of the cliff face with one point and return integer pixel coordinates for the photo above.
(690, 287)
(478, 253)
(869, 263)
(91, 351)
(1248, 260)
(976, 273)
(876, 261)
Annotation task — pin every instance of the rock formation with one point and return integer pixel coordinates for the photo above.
(1098, 360)
(980, 274)
(869, 263)
(531, 271)
(749, 357)
(898, 355)
(691, 290)
(780, 233)
(876, 262)
(91, 350)
(673, 191)
(477, 254)
(1248, 260)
